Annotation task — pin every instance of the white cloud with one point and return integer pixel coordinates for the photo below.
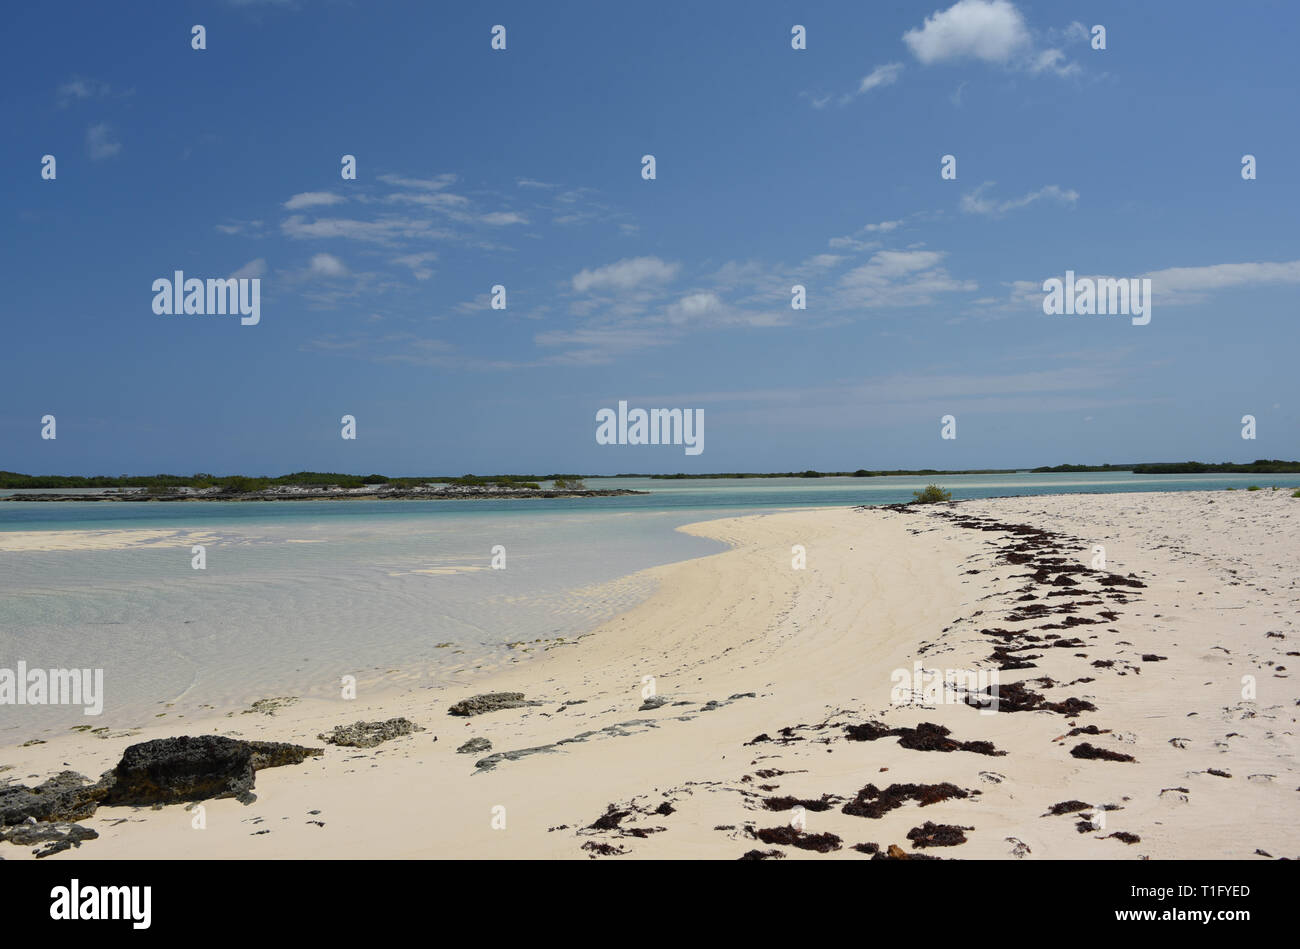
(693, 307)
(1189, 284)
(624, 274)
(976, 202)
(312, 199)
(99, 142)
(989, 30)
(327, 265)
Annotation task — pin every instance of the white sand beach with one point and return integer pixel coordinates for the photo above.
(799, 656)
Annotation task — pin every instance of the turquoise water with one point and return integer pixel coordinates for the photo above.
(297, 594)
(697, 495)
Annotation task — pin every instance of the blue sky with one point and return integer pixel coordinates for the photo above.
(522, 168)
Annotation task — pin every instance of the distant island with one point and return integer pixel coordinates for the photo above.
(300, 486)
(321, 485)
(1260, 466)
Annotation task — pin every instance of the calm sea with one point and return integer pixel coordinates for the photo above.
(296, 595)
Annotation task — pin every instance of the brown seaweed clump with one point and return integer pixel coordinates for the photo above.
(931, 834)
(875, 803)
(1085, 750)
(788, 836)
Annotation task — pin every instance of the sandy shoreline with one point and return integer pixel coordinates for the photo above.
(817, 647)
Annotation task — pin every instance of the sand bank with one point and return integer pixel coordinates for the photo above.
(1143, 658)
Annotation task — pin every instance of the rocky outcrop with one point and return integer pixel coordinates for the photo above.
(57, 837)
(173, 770)
(67, 796)
(163, 771)
(475, 746)
(489, 702)
(368, 734)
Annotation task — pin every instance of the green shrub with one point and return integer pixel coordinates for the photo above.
(1296, 493)
(1253, 487)
(568, 484)
(238, 484)
(931, 495)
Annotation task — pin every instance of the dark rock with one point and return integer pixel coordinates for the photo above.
(58, 836)
(654, 702)
(474, 745)
(172, 770)
(489, 702)
(65, 797)
(368, 734)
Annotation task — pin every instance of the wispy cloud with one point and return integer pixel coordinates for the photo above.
(436, 183)
(313, 199)
(78, 89)
(100, 142)
(499, 218)
(625, 274)
(327, 265)
(885, 75)
(254, 268)
(978, 201)
(1180, 286)
(418, 264)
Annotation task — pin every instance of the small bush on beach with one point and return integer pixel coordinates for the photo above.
(931, 495)
(1296, 493)
(1253, 487)
(568, 484)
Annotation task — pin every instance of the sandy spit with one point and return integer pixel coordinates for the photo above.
(1210, 721)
